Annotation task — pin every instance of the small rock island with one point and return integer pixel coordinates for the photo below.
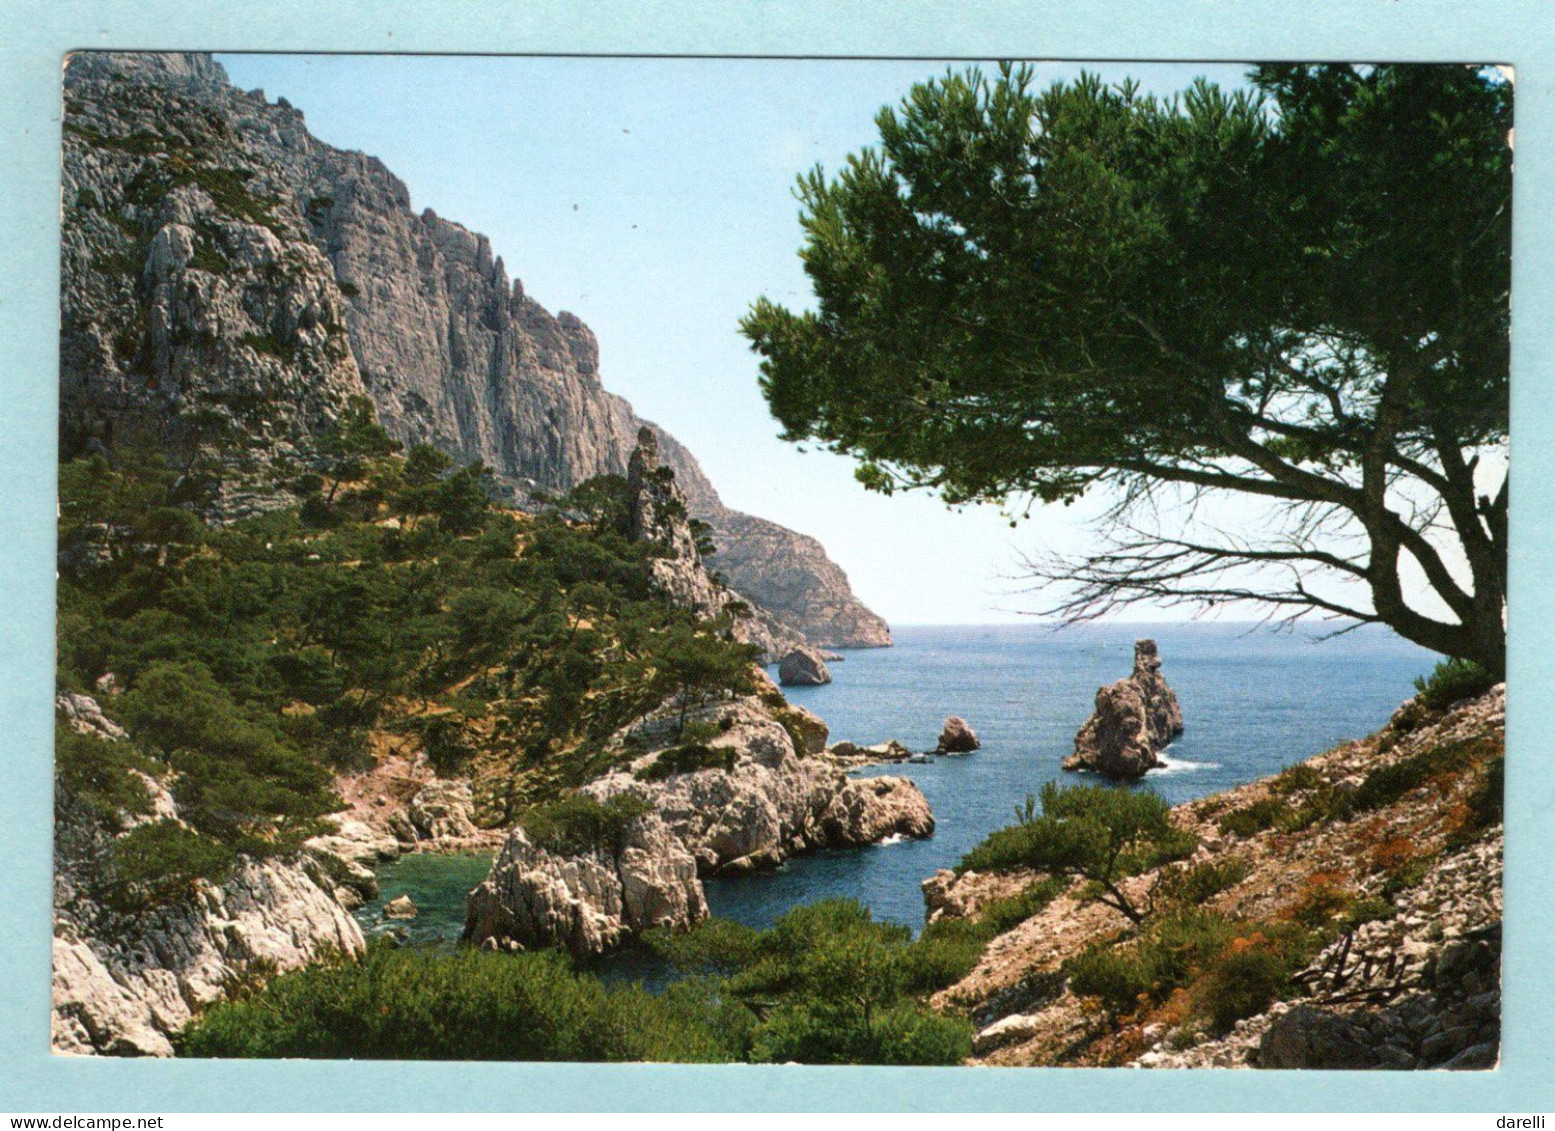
(957, 737)
(1134, 721)
(802, 666)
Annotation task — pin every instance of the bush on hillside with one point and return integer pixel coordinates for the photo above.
(471, 1005)
(687, 759)
(1100, 833)
(830, 985)
(1387, 784)
(1450, 681)
(579, 824)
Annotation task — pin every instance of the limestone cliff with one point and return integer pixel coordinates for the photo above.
(223, 266)
(658, 515)
(588, 902)
(194, 305)
(125, 982)
(770, 791)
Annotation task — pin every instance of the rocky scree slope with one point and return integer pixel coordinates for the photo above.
(219, 257)
(1389, 848)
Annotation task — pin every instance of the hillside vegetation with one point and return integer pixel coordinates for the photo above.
(395, 609)
(1336, 887)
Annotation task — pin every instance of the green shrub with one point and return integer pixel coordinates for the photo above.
(1117, 977)
(1233, 969)
(1146, 855)
(1007, 849)
(1452, 680)
(447, 742)
(1487, 802)
(309, 674)
(162, 860)
(1100, 833)
(713, 946)
(1405, 878)
(904, 1033)
(119, 263)
(949, 948)
(704, 730)
(1372, 909)
(1001, 915)
(945, 952)
(238, 780)
(469, 1005)
(1243, 983)
(1166, 957)
(99, 779)
(1295, 779)
(1192, 885)
(807, 734)
(687, 759)
(830, 985)
(579, 824)
(1253, 818)
(843, 983)
(1325, 803)
(228, 188)
(1387, 784)
(267, 343)
(1322, 803)
(208, 257)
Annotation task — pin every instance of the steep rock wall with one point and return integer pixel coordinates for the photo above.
(451, 351)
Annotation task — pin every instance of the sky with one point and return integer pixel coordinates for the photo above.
(653, 198)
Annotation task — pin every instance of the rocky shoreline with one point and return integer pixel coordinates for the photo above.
(777, 790)
(125, 985)
(771, 794)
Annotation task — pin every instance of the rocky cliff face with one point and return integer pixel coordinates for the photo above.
(772, 799)
(1134, 721)
(194, 305)
(658, 514)
(790, 575)
(125, 983)
(589, 902)
(783, 571)
(222, 263)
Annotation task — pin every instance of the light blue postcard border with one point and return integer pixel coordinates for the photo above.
(35, 34)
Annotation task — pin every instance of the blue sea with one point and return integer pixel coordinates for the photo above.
(1254, 699)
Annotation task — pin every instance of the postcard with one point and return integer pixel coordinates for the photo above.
(895, 562)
